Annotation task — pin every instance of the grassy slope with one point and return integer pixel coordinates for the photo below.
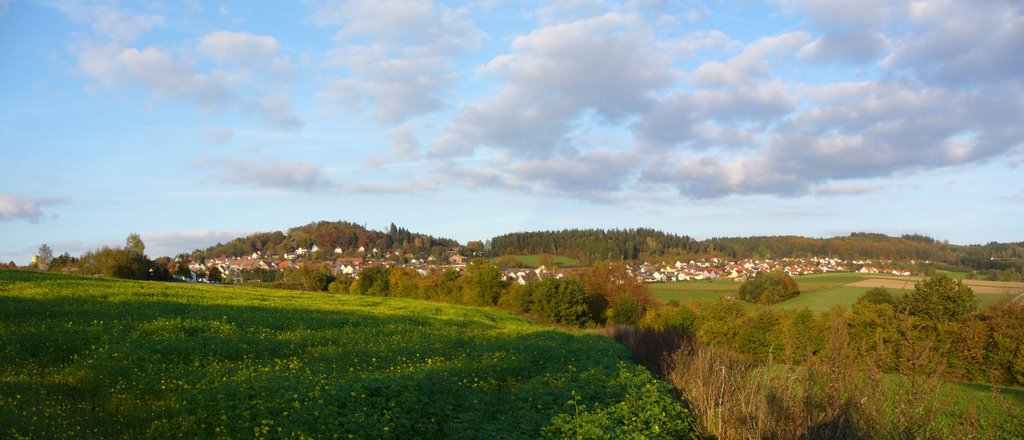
(532, 261)
(999, 415)
(818, 292)
(103, 358)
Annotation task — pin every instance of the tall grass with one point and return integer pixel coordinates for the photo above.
(831, 395)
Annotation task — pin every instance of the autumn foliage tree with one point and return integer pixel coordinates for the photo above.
(615, 295)
(940, 298)
(769, 288)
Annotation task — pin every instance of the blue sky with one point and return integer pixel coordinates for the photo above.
(195, 122)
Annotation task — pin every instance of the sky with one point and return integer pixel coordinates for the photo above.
(194, 122)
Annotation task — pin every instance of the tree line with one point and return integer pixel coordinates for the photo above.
(605, 294)
(327, 236)
(594, 245)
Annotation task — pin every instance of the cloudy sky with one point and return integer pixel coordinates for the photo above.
(194, 122)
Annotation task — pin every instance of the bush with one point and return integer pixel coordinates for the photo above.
(768, 288)
(648, 411)
(675, 319)
(761, 334)
(341, 284)
(316, 279)
(878, 295)
(563, 301)
(482, 283)
(626, 311)
(940, 298)
(372, 281)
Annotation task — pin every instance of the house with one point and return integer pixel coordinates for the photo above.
(339, 251)
(457, 259)
(350, 261)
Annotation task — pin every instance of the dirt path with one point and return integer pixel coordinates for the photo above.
(908, 284)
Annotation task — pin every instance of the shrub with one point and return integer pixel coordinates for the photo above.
(316, 279)
(563, 301)
(761, 334)
(648, 411)
(675, 319)
(878, 295)
(341, 284)
(940, 298)
(482, 283)
(372, 281)
(627, 310)
(768, 288)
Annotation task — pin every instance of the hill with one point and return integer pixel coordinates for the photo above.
(589, 245)
(100, 358)
(328, 236)
(997, 261)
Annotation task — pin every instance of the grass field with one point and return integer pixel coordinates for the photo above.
(532, 261)
(819, 292)
(96, 358)
(998, 414)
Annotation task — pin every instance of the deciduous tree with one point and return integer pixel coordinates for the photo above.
(940, 298)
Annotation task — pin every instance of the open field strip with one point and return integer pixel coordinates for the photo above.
(99, 358)
(820, 292)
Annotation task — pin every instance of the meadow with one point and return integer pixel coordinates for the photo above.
(100, 358)
(533, 261)
(821, 292)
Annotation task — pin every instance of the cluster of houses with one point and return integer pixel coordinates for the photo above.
(233, 267)
(703, 269)
(714, 268)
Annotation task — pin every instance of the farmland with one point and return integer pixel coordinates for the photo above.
(534, 260)
(821, 292)
(102, 358)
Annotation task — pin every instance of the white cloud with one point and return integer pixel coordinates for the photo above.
(240, 48)
(157, 71)
(753, 63)
(980, 46)
(269, 174)
(831, 188)
(397, 54)
(848, 15)
(277, 111)
(857, 131)
(217, 135)
(177, 242)
(405, 147)
(165, 75)
(610, 65)
(121, 26)
(13, 207)
(397, 88)
(856, 47)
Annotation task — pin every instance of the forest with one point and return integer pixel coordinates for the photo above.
(594, 245)
(327, 235)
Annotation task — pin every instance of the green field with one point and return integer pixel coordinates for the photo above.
(702, 290)
(997, 414)
(819, 292)
(532, 261)
(98, 358)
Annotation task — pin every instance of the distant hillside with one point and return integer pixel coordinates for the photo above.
(327, 236)
(590, 245)
(593, 245)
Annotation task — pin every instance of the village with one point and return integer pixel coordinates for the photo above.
(345, 264)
